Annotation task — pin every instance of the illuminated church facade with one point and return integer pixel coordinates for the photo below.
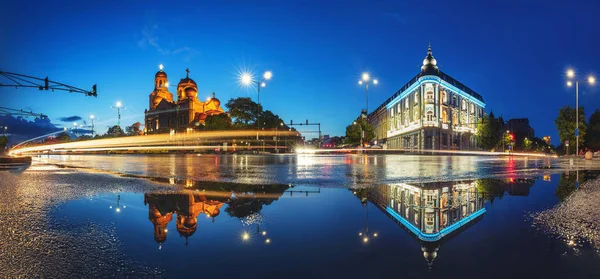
(431, 111)
(165, 114)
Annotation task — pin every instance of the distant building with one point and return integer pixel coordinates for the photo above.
(166, 114)
(520, 128)
(431, 111)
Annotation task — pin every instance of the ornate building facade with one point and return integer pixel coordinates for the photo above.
(431, 111)
(166, 114)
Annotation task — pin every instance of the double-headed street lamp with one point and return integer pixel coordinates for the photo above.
(92, 118)
(118, 107)
(366, 80)
(591, 80)
(248, 79)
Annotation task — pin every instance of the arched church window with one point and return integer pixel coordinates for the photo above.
(430, 116)
(160, 83)
(444, 116)
(464, 105)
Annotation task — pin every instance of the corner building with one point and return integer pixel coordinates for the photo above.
(431, 111)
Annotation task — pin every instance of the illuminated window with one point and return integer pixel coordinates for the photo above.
(429, 95)
(454, 118)
(406, 102)
(417, 97)
(464, 105)
(444, 116)
(430, 116)
(444, 97)
(472, 109)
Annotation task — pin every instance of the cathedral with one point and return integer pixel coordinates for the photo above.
(165, 114)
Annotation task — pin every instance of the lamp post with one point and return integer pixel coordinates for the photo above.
(276, 138)
(75, 125)
(118, 107)
(591, 80)
(92, 118)
(366, 80)
(248, 79)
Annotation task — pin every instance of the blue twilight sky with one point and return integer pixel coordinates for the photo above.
(514, 53)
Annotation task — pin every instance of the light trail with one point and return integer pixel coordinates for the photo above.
(171, 141)
(456, 152)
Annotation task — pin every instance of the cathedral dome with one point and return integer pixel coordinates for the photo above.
(160, 74)
(191, 92)
(187, 80)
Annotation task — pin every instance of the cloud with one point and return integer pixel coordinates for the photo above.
(397, 17)
(70, 118)
(149, 38)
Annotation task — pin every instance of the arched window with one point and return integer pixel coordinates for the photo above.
(454, 119)
(444, 116)
(444, 97)
(464, 105)
(430, 116)
(160, 83)
(416, 116)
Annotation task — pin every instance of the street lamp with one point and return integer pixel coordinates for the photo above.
(118, 107)
(276, 138)
(92, 118)
(75, 125)
(591, 80)
(248, 79)
(366, 80)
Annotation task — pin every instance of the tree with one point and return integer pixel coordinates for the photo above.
(134, 129)
(489, 132)
(527, 144)
(114, 131)
(218, 122)
(354, 132)
(63, 137)
(565, 124)
(592, 137)
(243, 111)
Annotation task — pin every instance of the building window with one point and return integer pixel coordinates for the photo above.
(430, 116)
(472, 109)
(454, 101)
(160, 84)
(454, 118)
(429, 96)
(444, 97)
(444, 116)
(464, 105)
(406, 103)
(416, 116)
(417, 97)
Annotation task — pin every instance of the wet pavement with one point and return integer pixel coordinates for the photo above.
(298, 217)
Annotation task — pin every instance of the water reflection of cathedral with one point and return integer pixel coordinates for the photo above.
(186, 206)
(432, 212)
(242, 200)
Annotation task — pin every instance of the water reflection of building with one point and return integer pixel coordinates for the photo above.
(242, 200)
(187, 206)
(431, 211)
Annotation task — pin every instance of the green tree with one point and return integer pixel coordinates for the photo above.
(63, 137)
(244, 112)
(114, 131)
(354, 132)
(270, 120)
(218, 122)
(489, 132)
(134, 129)
(565, 125)
(592, 136)
(567, 185)
(527, 144)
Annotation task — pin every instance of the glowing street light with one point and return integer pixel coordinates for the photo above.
(367, 80)
(118, 107)
(591, 80)
(92, 118)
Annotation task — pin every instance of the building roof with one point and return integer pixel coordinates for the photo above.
(429, 68)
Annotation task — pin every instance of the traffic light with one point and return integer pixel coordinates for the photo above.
(46, 83)
(512, 137)
(94, 93)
